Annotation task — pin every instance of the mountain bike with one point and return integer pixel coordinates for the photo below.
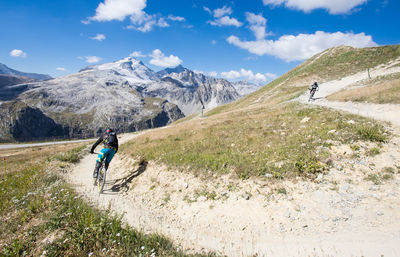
(100, 179)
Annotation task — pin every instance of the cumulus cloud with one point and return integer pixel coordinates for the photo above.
(18, 53)
(248, 75)
(159, 59)
(137, 54)
(222, 12)
(60, 69)
(225, 21)
(92, 59)
(145, 22)
(222, 18)
(258, 25)
(213, 42)
(333, 7)
(120, 9)
(99, 37)
(302, 46)
(176, 18)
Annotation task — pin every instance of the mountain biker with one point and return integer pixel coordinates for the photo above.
(313, 89)
(110, 140)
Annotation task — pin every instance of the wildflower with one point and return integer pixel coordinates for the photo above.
(90, 254)
(118, 234)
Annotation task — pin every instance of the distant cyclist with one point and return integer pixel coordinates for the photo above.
(110, 140)
(313, 89)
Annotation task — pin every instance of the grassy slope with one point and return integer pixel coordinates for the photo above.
(39, 212)
(263, 133)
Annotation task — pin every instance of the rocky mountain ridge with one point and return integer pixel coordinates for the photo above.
(125, 95)
(8, 71)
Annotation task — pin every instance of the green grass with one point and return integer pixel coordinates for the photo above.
(385, 174)
(71, 156)
(36, 204)
(256, 142)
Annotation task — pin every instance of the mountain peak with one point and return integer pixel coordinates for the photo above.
(177, 69)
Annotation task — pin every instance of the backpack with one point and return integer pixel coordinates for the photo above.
(110, 139)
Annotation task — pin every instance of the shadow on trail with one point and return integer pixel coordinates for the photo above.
(316, 98)
(122, 183)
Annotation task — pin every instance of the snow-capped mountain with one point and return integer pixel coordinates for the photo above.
(125, 95)
(190, 90)
(244, 87)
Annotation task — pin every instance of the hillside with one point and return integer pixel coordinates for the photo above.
(264, 118)
(306, 172)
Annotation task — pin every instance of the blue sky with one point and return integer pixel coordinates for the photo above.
(256, 40)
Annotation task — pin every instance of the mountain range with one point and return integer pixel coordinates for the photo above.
(125, 95)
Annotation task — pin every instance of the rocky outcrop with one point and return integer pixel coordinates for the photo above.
(21, 122)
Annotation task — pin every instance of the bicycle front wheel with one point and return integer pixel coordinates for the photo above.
(102, 179)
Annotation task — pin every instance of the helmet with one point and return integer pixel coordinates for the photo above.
(109, 130)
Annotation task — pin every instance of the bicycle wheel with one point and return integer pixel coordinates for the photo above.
(102, 179)
(95, 178)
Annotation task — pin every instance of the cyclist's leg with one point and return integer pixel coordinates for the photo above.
(110, 154)
(99, 160)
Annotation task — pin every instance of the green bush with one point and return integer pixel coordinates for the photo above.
(375, 133)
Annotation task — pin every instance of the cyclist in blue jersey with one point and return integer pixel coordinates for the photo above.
(110, 140)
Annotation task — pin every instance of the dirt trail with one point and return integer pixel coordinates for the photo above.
(355, 218)
(340, 214)
(383, 112)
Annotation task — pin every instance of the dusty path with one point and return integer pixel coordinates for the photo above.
(343, 215)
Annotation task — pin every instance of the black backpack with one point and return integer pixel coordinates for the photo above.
(110, 139)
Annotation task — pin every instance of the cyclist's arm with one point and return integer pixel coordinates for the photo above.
(97, 143)
(116, 148)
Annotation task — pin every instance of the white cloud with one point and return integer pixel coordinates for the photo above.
(137, 54)
(226, 21)
(258, 25)
(60, 69)
(18, 53)
(332, 6)
(248, 75)
(92, 59)
(222, 12)
(159, 59)
(118, 9)
(145, 22)
(222, 18)
(207, 10)
(302, 46)
(99, 37)
(176, 18)
(213, 42)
